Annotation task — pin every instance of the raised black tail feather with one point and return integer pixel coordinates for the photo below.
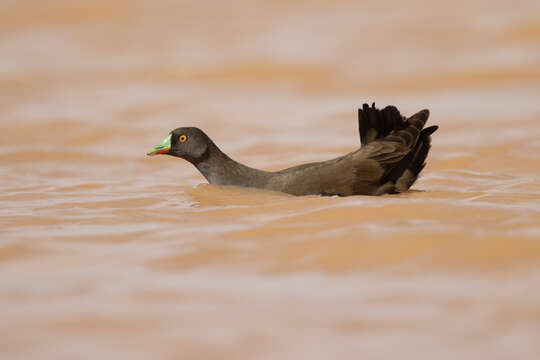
(388, 123)
(375, 124)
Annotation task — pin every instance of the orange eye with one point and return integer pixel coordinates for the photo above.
(182, 138)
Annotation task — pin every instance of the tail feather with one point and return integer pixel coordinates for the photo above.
(389, 125)
(375, 124)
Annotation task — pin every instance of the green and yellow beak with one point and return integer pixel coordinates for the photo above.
(161, 148)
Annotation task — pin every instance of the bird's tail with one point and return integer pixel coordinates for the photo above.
(389, 125)
(375, 124)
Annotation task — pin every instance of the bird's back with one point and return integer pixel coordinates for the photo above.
(392, 154)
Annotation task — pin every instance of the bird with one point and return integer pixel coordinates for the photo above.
(393, 151)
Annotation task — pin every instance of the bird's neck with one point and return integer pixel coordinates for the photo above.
(218, 168)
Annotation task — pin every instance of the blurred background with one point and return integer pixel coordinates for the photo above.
(105, 253)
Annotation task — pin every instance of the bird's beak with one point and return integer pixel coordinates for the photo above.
(161, 148)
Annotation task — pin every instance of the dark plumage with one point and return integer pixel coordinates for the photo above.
(392, 154)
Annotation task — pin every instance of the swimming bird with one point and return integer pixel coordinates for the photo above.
(393, 151)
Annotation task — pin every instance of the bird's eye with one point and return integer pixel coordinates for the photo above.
(182, 138)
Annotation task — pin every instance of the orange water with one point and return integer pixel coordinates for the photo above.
(108, 254)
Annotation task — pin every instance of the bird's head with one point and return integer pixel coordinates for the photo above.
(189, 143)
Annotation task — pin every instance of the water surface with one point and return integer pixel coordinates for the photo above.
(107, 253)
